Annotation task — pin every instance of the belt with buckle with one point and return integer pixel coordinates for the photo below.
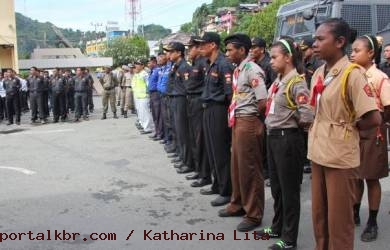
(282, 132)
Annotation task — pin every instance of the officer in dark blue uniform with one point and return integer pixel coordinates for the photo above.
(12, 88)
(216, 98)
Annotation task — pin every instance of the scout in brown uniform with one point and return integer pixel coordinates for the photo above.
(249, 99)
(344, 105)
(373, 142)
(287, 111)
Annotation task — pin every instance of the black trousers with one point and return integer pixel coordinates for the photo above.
(59, 105)
(45, 96)
(70, 100)
(197, 140)
(171, 123)
(13, 107)
(155, 106)
(165, 117)
(285, 161)
(81, 102)
(90, 99)
(23, 100)
(218, 143)
(182, 130)
(37, 106)
(3, 109)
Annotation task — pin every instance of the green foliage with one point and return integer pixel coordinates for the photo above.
(262, 24)
(153, 31)
(186, 27)
(31, 34)
(124, 50)
(199, 18)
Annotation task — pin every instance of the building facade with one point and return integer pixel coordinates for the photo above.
(8, 39)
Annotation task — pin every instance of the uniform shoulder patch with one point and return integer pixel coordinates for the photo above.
(255, 83)
(368, 90)
(302, 99)
(228, 78)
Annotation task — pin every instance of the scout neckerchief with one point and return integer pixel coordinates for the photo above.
(233, 104)
(320, 86)
(270, 102)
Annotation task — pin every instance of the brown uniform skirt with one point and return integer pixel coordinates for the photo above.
(373, 154)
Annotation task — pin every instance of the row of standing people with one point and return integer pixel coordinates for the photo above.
(212, 116)
(60, 93)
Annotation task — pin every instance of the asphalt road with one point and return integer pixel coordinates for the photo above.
(103, 177)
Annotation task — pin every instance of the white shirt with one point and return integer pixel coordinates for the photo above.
(2, 90)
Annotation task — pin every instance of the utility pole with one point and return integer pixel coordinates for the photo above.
(95, 24)
(132, 10)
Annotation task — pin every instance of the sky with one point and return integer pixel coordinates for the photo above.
(79, 14)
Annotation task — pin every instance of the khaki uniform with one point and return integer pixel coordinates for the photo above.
(109, 82)
(334, 152)
(247, 143)
(126, 94)
(285, 151)
(373, 142)
(118, 89)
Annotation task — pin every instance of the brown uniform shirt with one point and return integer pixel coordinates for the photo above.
(333, 140)
(250, 88)
(282, 116)
(380, 86)
(127, 78)
(109, 81)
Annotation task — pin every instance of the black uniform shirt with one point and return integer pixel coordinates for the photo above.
(35, 84)
(12, 86)
(81, 84)
(270, 74)
(57, 84)
(182, 73)
(385, 67)
(218, 80)
(311, 66)
(195, 84)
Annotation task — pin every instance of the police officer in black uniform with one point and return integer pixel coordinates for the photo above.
(57, 88)
(12, 88)
(262, 58)
(180, 79)
(385, 66)
(81, 100)
(69, 91)
(195, 86)
(36, 86)
(216, 98)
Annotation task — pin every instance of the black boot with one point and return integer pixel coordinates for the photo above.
(122, 111)
(115, 116)
(125, 114)
(104, 116)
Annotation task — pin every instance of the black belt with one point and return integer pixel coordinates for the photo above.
(282, 131)
(206, 105)
(109, 88)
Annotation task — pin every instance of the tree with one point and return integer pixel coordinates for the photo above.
(186, 27)
(264, 23)
(199, 18)
(153, 31)
(124, 50)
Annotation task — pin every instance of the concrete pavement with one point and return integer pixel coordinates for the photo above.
(104, 177)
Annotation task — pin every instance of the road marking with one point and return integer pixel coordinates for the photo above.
(21, 170)
(43, 132)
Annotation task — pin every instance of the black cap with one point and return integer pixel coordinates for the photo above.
(138, 62)
(175, 46)
(306, 43)
(210, 37)
(194, 40)
(259, 42)
(240, 39)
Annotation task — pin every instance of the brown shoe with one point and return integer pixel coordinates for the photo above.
(247, 225)
(225, 213)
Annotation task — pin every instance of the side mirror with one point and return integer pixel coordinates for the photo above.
(308, 14)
